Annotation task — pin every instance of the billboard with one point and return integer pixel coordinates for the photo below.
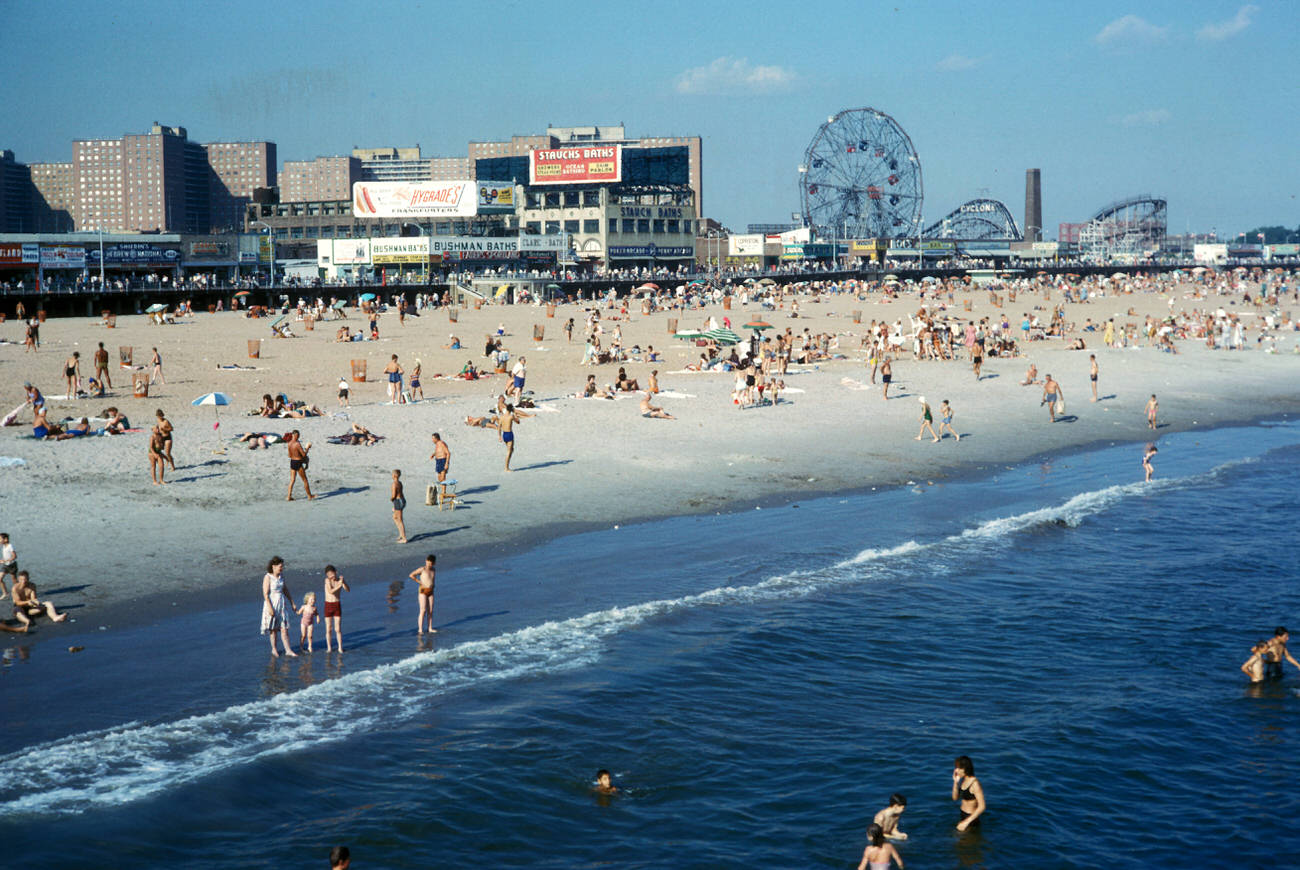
(131, 254)
(403, 250)
(63, 257)
(352, 252)
(496, 197)
(414, 199)
(749, 245)
(594, 164)
(19, 253)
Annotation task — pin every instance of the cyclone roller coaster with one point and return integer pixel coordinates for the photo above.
(978, 219)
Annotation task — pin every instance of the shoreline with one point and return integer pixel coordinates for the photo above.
(139, 611)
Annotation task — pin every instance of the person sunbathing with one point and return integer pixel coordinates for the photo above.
(76, 430)
(624, 383)
(468, 372)
(591, 391)
(455, 344)
(298, 410)
(255, 440)
(117, 422)
(269, 406)
(361, 435)
(1031, 376)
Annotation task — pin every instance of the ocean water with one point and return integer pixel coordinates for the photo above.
(758, 682)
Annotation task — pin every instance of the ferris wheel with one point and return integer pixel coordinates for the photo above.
(861, 178)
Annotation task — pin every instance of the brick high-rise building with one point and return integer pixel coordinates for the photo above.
(97, 179)
(237, 169)
(450, 168)
(325, 178)
(54, 197)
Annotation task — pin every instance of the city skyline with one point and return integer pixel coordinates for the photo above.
(1109, 101)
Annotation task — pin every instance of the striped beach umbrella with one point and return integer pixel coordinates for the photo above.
(722, 336)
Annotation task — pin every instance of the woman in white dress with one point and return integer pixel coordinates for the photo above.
(276, 605)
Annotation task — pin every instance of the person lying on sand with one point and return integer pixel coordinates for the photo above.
(76, 430)
(255, 440)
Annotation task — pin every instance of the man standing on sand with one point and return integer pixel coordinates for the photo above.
(1152, 408)
(1051, 395)
(519, 372)
(298, 463)
(334, 583)
(394, 373)
(101, 366)
(398, 496)
(886, 375)
(505, 423)
(1092, 374)
(441, 457)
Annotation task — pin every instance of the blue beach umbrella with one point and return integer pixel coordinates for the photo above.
(367, 297)
(214, 399)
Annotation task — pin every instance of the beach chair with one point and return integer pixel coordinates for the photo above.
(435, 494)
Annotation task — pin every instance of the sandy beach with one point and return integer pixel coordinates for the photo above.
(83, 513)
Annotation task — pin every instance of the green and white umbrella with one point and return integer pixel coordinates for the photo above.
(722, 336)
(688, 334)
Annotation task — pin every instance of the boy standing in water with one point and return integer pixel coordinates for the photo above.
(334, 583)
(424, 576)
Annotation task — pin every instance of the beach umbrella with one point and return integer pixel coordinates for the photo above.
(215, 400)
(722, 336)
(767, 282)
(1118, 275)
(552, 286)
(688, 334)
(696, 283)
(649, 285)
(242, 293)
(367, 297)
(339, 304)
(155, 308)
(758, 325)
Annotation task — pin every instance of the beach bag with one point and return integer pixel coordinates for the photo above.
(1060, 406)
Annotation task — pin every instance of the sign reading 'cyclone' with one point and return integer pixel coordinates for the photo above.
(590, 165)
(416, 199)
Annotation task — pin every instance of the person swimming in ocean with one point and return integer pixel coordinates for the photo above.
(604, 783)
(1146, 460)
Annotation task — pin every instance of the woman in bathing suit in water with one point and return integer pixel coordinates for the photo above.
(879, 853)
(967, 789)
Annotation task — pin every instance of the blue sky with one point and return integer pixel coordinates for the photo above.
(1196, 101)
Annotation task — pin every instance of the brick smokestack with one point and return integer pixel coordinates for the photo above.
(1033, 205)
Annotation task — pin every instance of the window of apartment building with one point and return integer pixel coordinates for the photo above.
(591, 197)
(571, 197)
(672, 226)
(553, 199)
(295, 232)
(613, 225)
(658, 226)
(570, 226)
(533, 227)
(344, 232)
(591, 225)
(460, 228)
(534, 200)
(643, 225)
(552, 228)
(326, 232)
(629, 225)
(393, 230)
(442, 228)
(282, 232)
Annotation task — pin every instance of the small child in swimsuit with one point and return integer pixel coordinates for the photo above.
(309, 619)
(888, 817)
(945, 422)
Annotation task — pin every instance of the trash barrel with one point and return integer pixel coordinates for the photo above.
(124, 355)
(140, 385)
(254, 348)
(550, 309)
(538, 332)
(672, 325)
(453, 315)
(359, 371)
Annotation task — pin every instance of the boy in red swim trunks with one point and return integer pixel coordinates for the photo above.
(334, 583)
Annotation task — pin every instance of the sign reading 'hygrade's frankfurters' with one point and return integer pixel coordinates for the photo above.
(592, 164)
(416, 199)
